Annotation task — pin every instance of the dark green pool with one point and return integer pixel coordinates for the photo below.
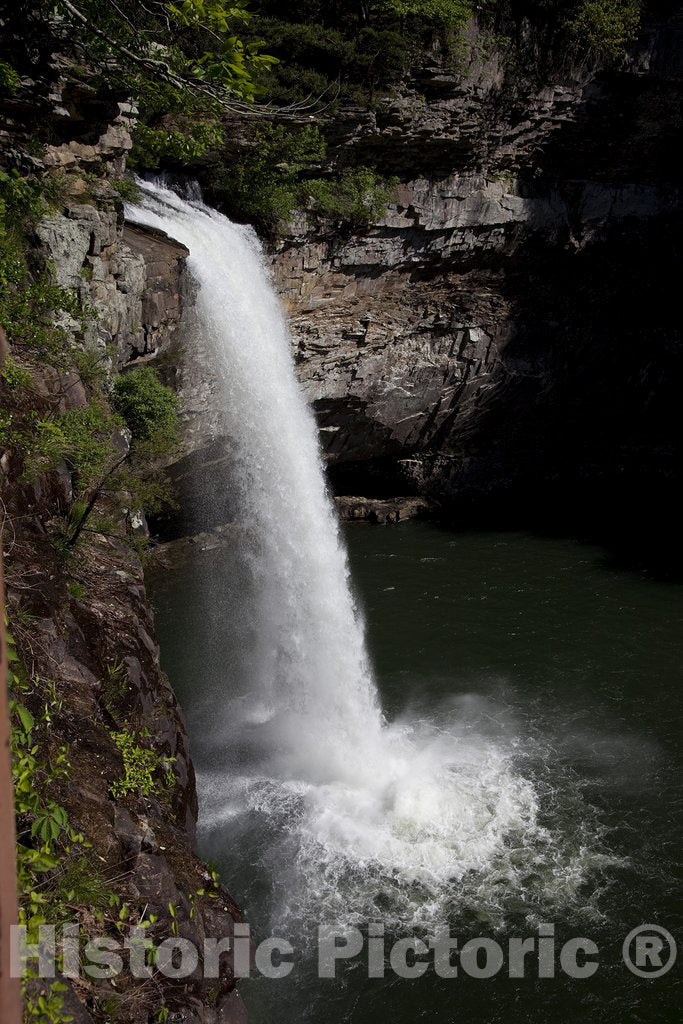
(539, 641)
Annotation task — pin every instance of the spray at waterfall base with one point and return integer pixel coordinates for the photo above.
(648, 951)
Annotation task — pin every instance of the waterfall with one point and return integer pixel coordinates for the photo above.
(411, 808)
(311, 661)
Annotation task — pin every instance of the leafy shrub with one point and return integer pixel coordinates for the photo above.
(265, 186)
(28, 303)
(15, 377)
(176, 145)
(148, 407)
(601, 27)
(144, 770)
(9, 79)
(319, 61)
(83, 437)
(447, 12)
(29, 300)
(273, 179)
(357, 197)
(27, 197)
(127, 189)
(378, 59)
(605, 26)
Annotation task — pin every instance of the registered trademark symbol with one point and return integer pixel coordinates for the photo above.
(649, 951)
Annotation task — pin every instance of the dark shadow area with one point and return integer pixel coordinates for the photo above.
(578, 431)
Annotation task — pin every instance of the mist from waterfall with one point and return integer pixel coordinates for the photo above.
(354, 805)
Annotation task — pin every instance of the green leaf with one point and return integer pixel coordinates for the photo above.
(26, 718)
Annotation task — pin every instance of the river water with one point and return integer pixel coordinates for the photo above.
(541, 685)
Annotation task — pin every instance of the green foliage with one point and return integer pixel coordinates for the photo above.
(605, 27)
(48, 819)
(29, 300)
(53, 871)
(446, 12)
(189, 46)
(42, 819)
(47, 1005)
(28, 303)
(83, 438)
(127, 189)
(265, 185)
(184, 62)
(349, 65)
(148, 407)
(15, 377)
(359, 51)
(86, 440)
(273, 180)
(27, 197)
(81, 882)
(351, 52)
(114, 687)
(149, 489)
(9, 79)
(145, 772)
(91, 366)
(600, 28)
(357, 197)
(233, 63)
(155, 146)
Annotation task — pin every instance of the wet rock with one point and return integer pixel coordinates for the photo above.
(379, 511)
(176, 553)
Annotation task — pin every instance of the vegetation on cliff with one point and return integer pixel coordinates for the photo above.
(79, 447)
(331, 56)
(192, 64)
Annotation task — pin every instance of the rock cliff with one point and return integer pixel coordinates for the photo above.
(81, 620)
(505, 338)
(510, 325)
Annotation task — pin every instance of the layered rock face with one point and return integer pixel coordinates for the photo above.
(133, 279)
(507, 333)
(511, 322)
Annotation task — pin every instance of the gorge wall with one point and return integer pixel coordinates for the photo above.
(508, 331)
(505, 339)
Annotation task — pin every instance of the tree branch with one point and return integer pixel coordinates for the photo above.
(163, 70)
(78, 529)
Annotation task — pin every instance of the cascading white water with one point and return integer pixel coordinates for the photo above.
(364, 804)
(311, 663)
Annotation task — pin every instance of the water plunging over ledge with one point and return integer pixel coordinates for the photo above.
(420, 809)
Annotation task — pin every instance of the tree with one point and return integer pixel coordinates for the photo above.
(605, 27)
(190, 46)
(149, 411)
